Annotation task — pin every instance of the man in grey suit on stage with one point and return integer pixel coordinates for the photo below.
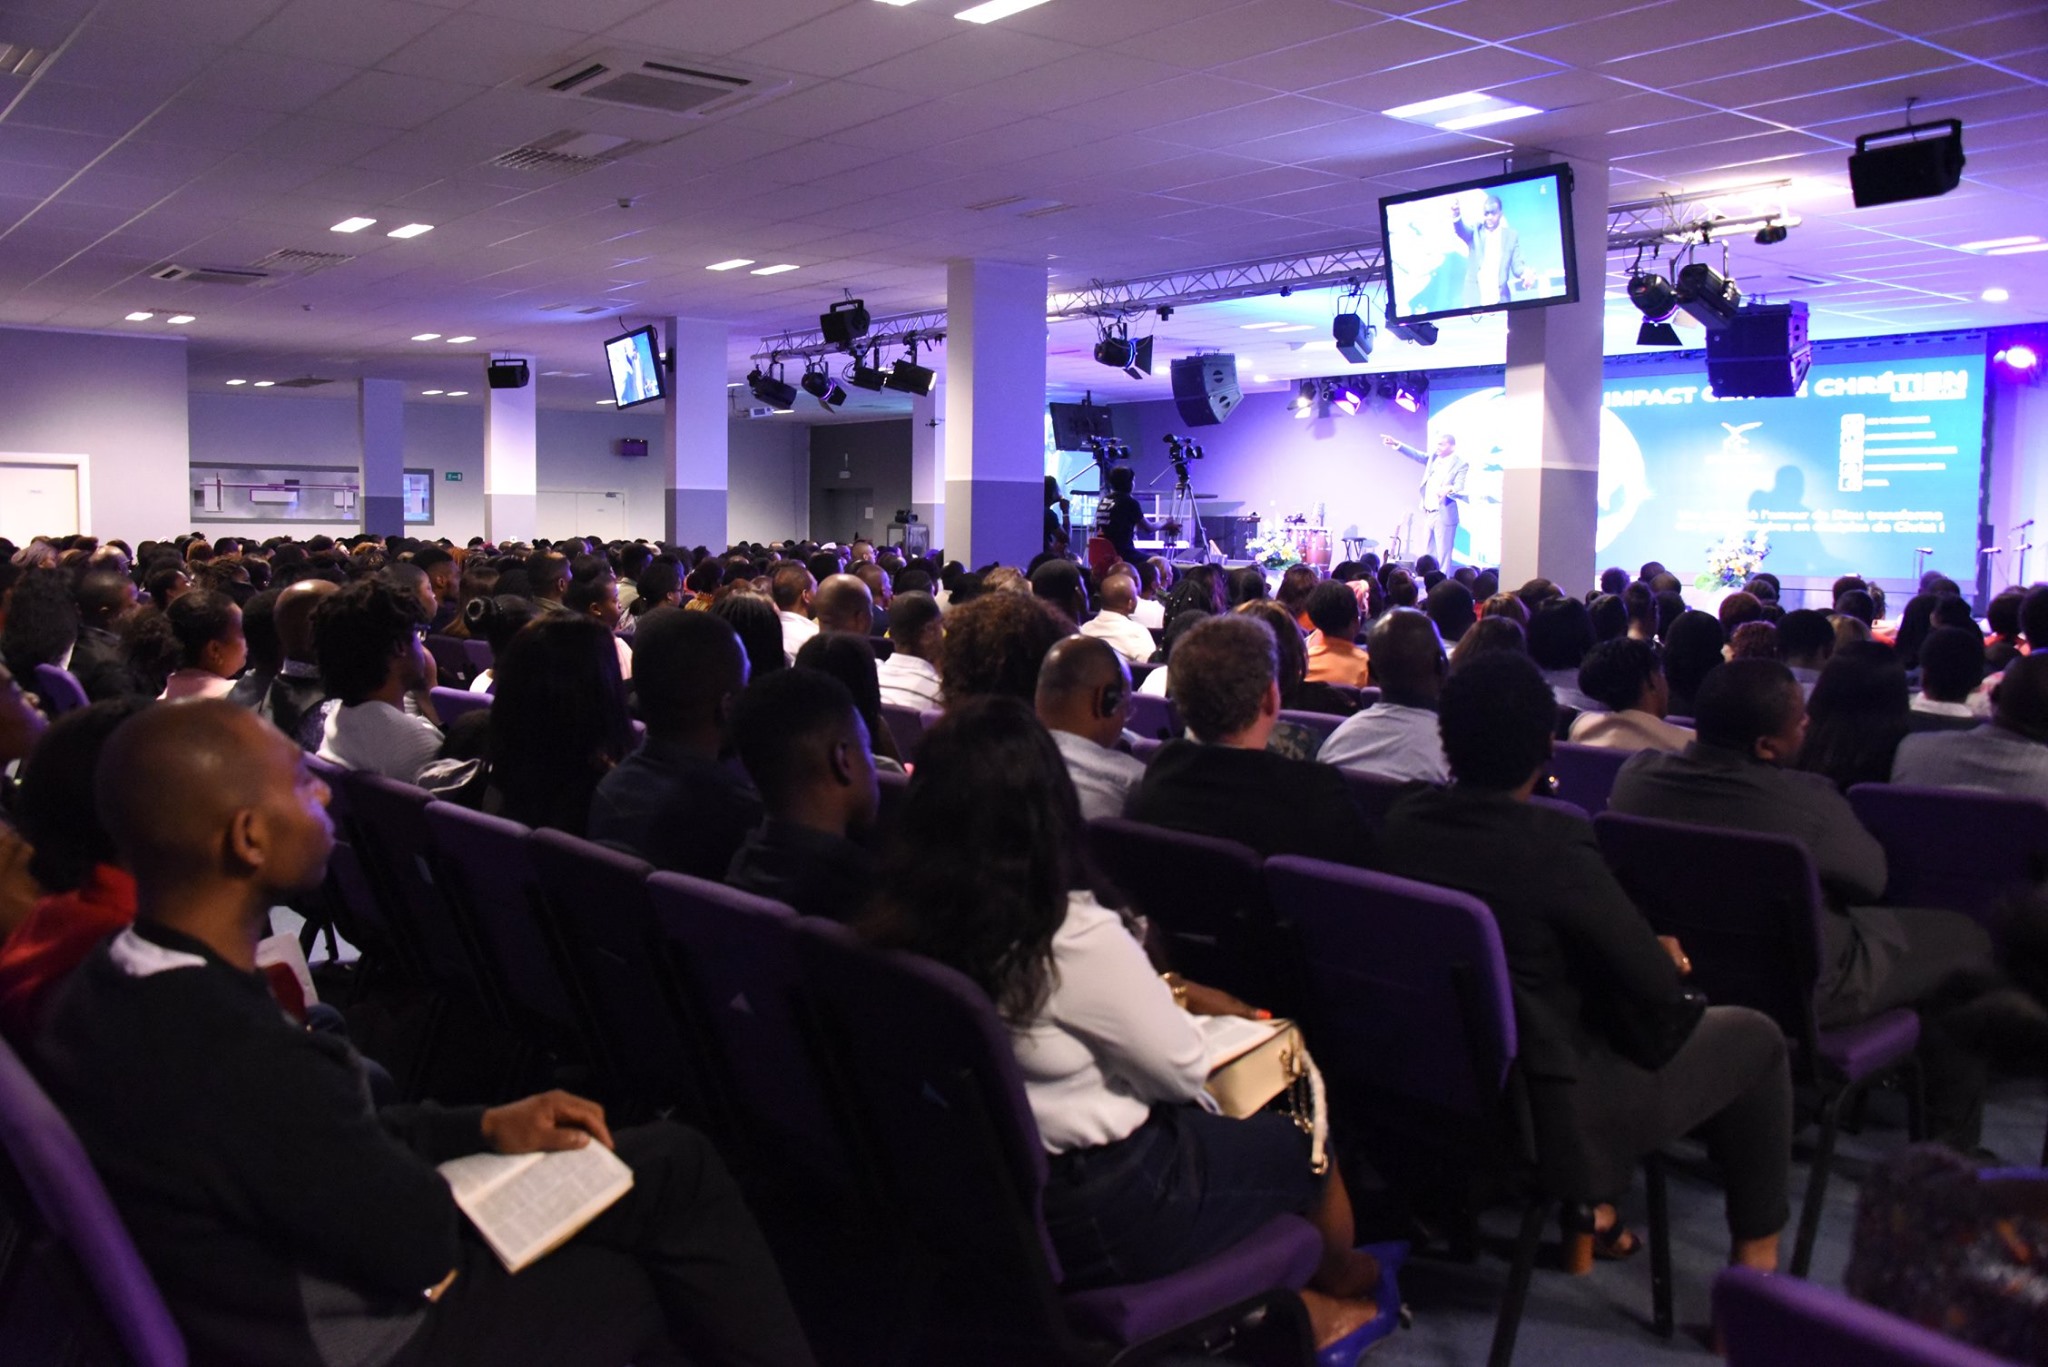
(1493, 256)
(1443, 489)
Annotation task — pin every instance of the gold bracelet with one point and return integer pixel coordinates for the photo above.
(1178, 986)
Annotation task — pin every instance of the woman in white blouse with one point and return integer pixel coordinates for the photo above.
(987, 874)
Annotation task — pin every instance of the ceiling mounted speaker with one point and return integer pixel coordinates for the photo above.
(1205, 388)
(1885, 170)
(507, 374)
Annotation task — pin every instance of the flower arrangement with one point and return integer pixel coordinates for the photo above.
(1734, 561)
(1273, 551)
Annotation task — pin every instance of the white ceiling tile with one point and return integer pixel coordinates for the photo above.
(715, 30)
(264, 80)
(1765, 51)
(1283, 115)
(965, 60)
(1163, 102)
(1246, 30)
(82, 109)
(482, 50)
(1884, 102)
(1657, 28)
(361, 32)
(1101, 25)
(851, 38)
(1499, 20)
(1473, 69)
(389, 100)
(48, 147)
(1078, 79)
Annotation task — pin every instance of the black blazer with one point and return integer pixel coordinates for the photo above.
(1274, 804)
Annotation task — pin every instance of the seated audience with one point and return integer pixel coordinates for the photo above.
(1117, 623)
(266, 653)
(558, 722)
(804, 743)
(995, 643)
(2007, 642)
(1738, 609)
(1951, 671)
(377, 675)
(1578, 950)
(207, 628)
(2009, 754)
(1753, 641)
(1396, 737)
(793, 590)
(1692, 650)
(1333, 653)
(671, 801)
(1857, 716)
(40, 625)
(1738, 775)
(1450, 605)
(1489, 634)
(1061, 583)
(1806, 638)
(760, 627)
(1224, 782)
(594, 593)
(987, 873)
(106, 600)
(1297, 694)
(843, 603)
(1625, 677)
(1084, 699)
(851, 660)
(1560, 635)
(277, 1212)
(495, 621)
(293, 705)
(917, 633)
(1155, 581)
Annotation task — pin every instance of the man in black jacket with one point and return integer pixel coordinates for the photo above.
(284, 1220)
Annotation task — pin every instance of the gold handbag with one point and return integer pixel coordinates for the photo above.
(1248, 1073)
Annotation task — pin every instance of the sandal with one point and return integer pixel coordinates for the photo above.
(1346, 1352)
(1585, 1242)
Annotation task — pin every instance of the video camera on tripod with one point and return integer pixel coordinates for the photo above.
(1181, 450)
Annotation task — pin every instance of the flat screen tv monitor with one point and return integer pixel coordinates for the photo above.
(1074, 423)
(634, 361)
(1482, 246)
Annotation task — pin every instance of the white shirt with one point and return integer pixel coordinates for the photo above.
(1103, 778)
(484, 682)
(1123, 633)
(1922, 703)
(1155, 683)
(1150, 614)
(1109, 1041)
(908, 681)
(381, 739)
(796, 629)
(1628, 729)
(186, 684)
(1390, 741)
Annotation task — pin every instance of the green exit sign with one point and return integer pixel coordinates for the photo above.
(453, 477)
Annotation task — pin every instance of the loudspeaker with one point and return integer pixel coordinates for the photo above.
(1205, 388)
(506, 374)
(1762, 353)
(1920, 168)
(632, 448)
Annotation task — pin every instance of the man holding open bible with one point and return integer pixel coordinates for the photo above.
(287, 1222)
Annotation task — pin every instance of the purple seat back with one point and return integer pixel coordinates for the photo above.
(1585, 773)
(451, 661)
(906, 727)
(478, 653)
(1140, 670)
(74, 1207)
(891, 788)
(1789, 1322)
(1321, 723)
(397, 848)
(1373, 795)
(1154, 717)
(929, 718)
(1959, 848)
(452, 704)
(60, 690)
(487, 865)
(1747, 908)
(1143, 748)
(1410, 985)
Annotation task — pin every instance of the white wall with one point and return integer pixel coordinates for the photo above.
(768, 475)
(2018, 479)
(119, 401)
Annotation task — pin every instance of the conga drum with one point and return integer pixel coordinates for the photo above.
(1315, 548)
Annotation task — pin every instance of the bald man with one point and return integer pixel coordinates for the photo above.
(1084, 699)
(2008, 755)
(1396, 738)
(1117, 623)
(293, 704)
(843, 603)
(282, 1217)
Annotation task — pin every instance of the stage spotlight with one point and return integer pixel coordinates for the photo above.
(1304, 404)
(1771, 234)
(833, 398)
(909, 377)
(1653, 333)
(861, 375)
(771, 390)
(1412, 392)
(1345, 399)
(815, 381)
(2018, 361)
(1114, 347)
(844, 321)
(1387, 388)
(1653, 296)
(1353, 336)
(1422, 334)
(1710, 297)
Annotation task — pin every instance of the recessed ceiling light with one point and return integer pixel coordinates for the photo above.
(1291, 327)
(1486, 117)
(1467, 109)
(180, 319)
(1256, 327)
(431, 392)
(773, 270)
(265, 384)
(993, 10)
(351, 225)
(1261, 379)
(2018, 250)
(732, 265)
(897, 2)
(411, 230)
(1995, 295)
(457, 393)
(1422, 109)
(606, 403)
(140, 316)
(1996, 242)
(457, 341)
(426, 336)
(238, 382)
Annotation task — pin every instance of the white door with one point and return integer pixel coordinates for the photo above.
(581, 512)
(38, 500)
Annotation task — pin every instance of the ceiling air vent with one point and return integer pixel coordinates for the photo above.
(665, 85)
(207, 275)
(303, 382)
(570, 150)
(19, 59)
(301, 260)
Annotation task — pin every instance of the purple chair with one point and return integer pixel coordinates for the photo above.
(451, 661)
(1322, 723)
(72, 1212)
(1959, 848)
(1414, 1027)
(653, 1040)
(1373, 795)
(452, 704)
(397, 848)
(892, 789)
(906, 726)
(1747, 908)
(935, 1104)
(1783, 1322)
(1154, 716)
(1585, 773)
(60, 690)
(1206, 899)
(1143, 748)
(929, 718)
(477, 653)
(1140, 670)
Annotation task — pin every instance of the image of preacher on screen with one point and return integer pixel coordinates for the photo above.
(1444, 472)
(630, 380)
(1493, 255)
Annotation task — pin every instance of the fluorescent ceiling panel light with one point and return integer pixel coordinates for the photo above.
(1995, 295)
(1488, 116)
(607, 403)
(431, 392)
(2018, 251)
(1422, 109)
(1997, 242)
(265, 384)
(773, 270)
(732, 265)
(993, 10)
(457, 341)
(1261, 379)
(180, 319)
(1291, 327)
(140, 316)
(238, 382)
(352, 225)
(458, 393)
(1257, 327)
(411, 230)
(426, 336)
(898, 2)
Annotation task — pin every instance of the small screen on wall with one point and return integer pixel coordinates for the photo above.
(634, 362)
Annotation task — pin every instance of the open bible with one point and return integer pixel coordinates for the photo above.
(527, 1205)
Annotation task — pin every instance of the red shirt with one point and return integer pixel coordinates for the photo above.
(56, 936)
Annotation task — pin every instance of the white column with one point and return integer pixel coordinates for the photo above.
(693, 431)
(511, 462)
(1550, 497)
(380, 424)
(928, 458)
(994, 429)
